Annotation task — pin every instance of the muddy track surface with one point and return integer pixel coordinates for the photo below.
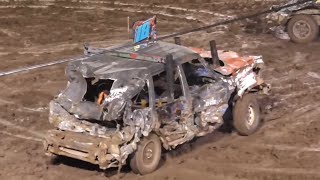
(286, 147)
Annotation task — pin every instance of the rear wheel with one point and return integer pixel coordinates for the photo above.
(303, 28)
(246, 115)
(147, 157)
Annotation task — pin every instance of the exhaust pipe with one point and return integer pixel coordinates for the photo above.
(177, 40)
(214, 54)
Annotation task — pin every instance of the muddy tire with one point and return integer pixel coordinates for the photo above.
(147, 157)
(303, 29)
(246, 115)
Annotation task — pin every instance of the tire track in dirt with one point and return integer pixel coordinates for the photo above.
(294, 85)
(130, 10)
(59, 47)
(238, 170)
(189, 173)
(255, 169)
(203, 16)
(239, 156)
(194, 14)
(283, 147)
(248, 169)
(20, 128)
(20, 136)
(139, 5)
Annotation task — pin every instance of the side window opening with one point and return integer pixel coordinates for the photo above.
(177, 88)
(141, 100)
(196, 74)
(161, 87)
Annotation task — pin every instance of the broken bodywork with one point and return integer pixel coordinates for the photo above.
(77, 110)
(278, 21)
(116, 100)
(111, 102)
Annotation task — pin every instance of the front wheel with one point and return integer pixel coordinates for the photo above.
(147, 157)
(303, 28)
(246, 115)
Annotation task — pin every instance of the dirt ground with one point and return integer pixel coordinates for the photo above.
(286, 147)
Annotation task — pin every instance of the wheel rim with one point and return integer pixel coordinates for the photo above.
(148, 153)
(301, 29)
(251, 116)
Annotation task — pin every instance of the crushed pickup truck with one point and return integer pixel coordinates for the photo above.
(125, 105)
(299, 23)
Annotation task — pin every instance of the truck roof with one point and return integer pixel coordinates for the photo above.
(126, 62)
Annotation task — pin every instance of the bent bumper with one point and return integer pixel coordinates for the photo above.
(92, 149)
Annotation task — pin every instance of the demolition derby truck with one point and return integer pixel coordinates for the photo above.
(125, 106)
(299, 23)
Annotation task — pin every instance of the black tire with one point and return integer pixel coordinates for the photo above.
(246, 115)
(309, 29)
(141, 162)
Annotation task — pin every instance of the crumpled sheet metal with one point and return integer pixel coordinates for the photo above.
(211, 95)
(181, 124)
(114, 141)
(194, 114)
(122, 91)
(282, 16)
(104, 152)
(123, 140)
(297, 7)
(240, 68)
(231, 60)
(280, 33)
(70, 114)
(245, 79)
(141, 118)
(63, 120)
(277, 20)
(213, 114)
